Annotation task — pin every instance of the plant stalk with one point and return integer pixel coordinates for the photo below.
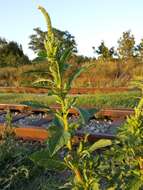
(65, 121)
(78, 175)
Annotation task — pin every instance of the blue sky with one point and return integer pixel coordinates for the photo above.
(90, 21)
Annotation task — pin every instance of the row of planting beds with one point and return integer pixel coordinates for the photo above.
(72, 91)
(32, 123)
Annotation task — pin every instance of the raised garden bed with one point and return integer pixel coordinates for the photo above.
(15, 107)
(115, 113)
(72, 91)
(34, 123)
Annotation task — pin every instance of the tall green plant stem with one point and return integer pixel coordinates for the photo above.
(52, 47)
(65, 112)
(65, 121)
(78, 176)
(76, 171)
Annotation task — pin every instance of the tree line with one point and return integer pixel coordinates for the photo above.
(124, 62)
(11, 53)
(126, 49)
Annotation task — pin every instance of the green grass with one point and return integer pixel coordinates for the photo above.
(117, 100)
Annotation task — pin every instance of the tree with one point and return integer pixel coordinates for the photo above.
(3, 42)
(104, 52)
(11, 54)
(139, 51)
(78, 60)
(126, 45)
(37, 40)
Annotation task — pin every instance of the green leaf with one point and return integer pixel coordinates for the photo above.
(134, 183)
(86, 114)
(95, 186)
(74, 76)
(43, 159)
(92, 111)
(99, 144)
(55, 124)
(77, 74)
(44, 80)
(64, 58)
(42, 55)
(58, 140)
(35, 104)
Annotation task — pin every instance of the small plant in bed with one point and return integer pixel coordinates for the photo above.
(17, 171)
(123, 161)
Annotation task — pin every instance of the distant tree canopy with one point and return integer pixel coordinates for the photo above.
(126, 49)
(139, 51)
(126, 45)
(37, 40)
(113, 67)
(2, 42)
(104, 52)
(11, 54)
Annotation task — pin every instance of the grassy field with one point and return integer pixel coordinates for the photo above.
(116, 100)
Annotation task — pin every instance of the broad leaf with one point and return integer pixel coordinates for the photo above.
(58, 140)
(43, 159)
(74, 76)
(77, 74)
(56, 123)
(99, 144)
(86, 114)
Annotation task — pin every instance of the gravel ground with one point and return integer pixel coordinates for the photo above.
(97, 126)
(94, 126)
(36, 120)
